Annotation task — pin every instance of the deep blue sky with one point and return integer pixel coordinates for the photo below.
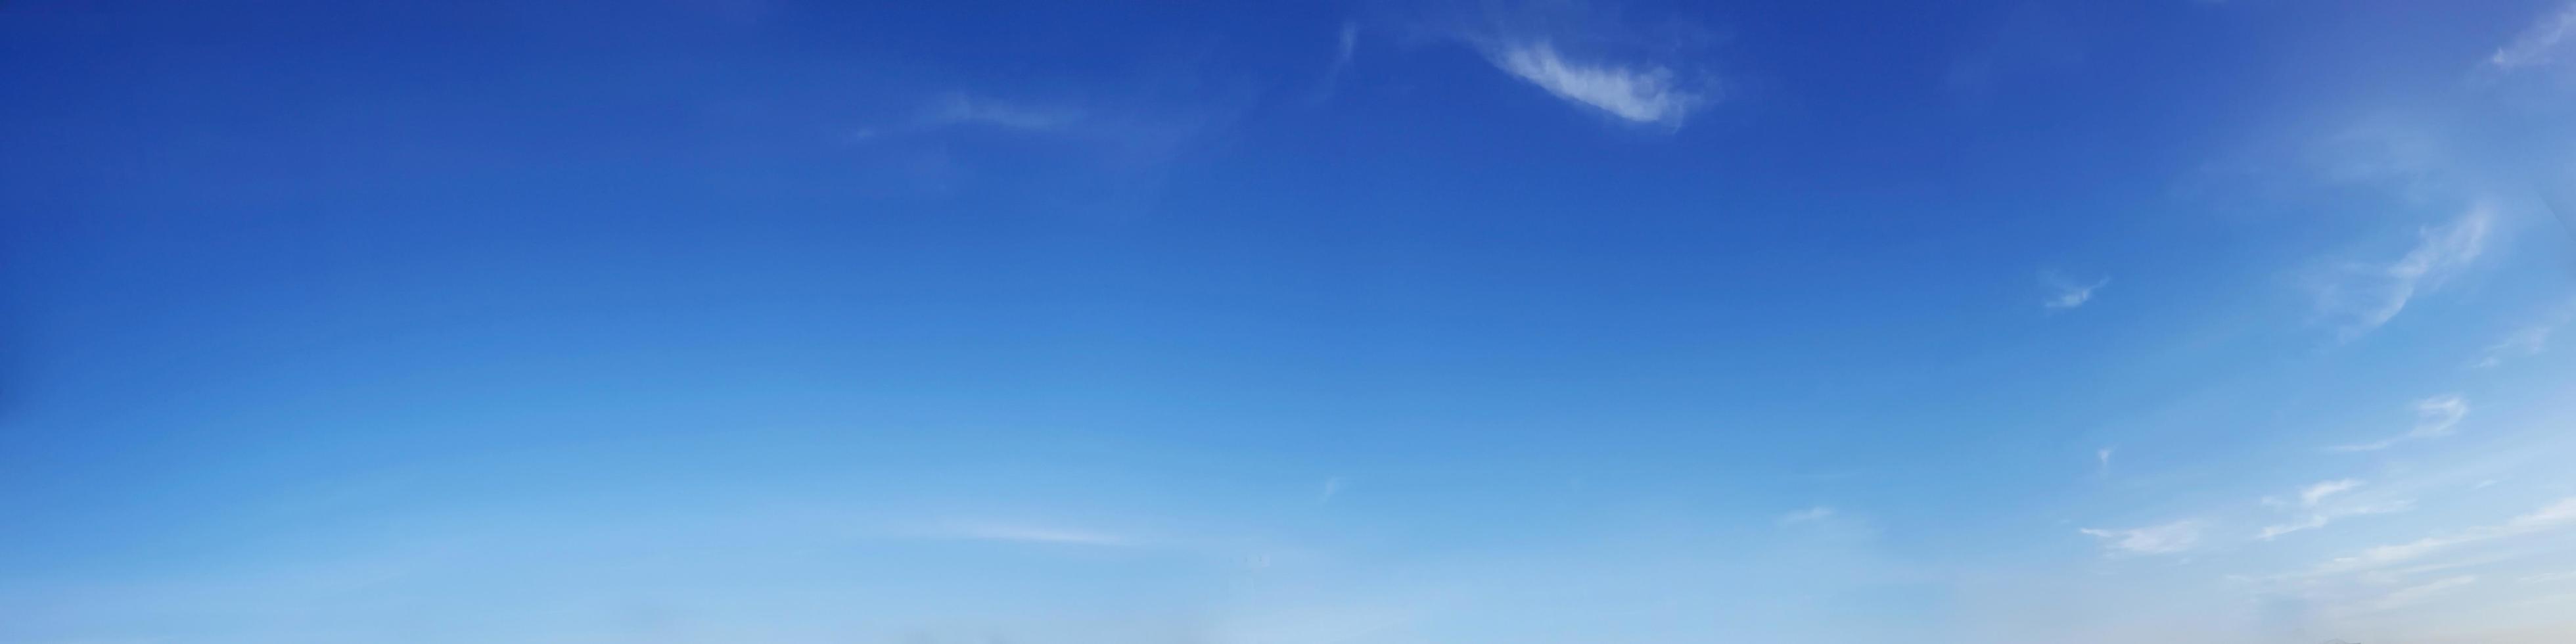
(1374, 322)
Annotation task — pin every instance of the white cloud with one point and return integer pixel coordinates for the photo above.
(2416, 594)
(2152, 540)
(2435, 417)
(2318, 492)
(2366, 296)
(1345, 47)
(2314, 495)
(2103, 456)
(1032, 534)
(960, 109)
(1809, 515)
(2539, 45)
(2529, 341)
(1332, 487)
(2548, 577)
(2071, 294)
(2551, 517)
(1348, 44)
(1640, 93)
(2313, 521)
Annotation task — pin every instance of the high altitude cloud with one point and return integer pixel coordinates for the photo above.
(2315, 495)
(960, 109)
(2416, 594)
(2367, 295)
(2528, 341)
(1590, 53)
(1638, 93)
(2152, 540)
(2435, 417)
(2554, 516)
(2540, 45)
(1030, 534)
(1809, 515)
(2069, 293)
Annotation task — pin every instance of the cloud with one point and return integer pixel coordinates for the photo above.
(2153, 540)
(2103, 457)
(2529, 341)
(1348, 44)
(1332, 487)
(2070, 294)
(2538, 45)
(2315, 494)
(2526, 342)
(1345, 46)
(2412, 595)
(2435, 417)
(1642, 93)
(1031, 534)
(2548, 577)
(960, 109)
(2313, 521)
(2366, 296)
(2551, 517)
(1809, 515)
(2318, 492)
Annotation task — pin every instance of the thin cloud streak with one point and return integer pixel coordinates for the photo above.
(1809, 515)
(2318, 492)
(1345, 47)
(2525, 342)
(2417, 594)
(1638, 94)
(960, 109)
(2538, 45)
(1033, 535)
(2554, 516)
(2321, 518)
(2152, 540)
(2435, 417)
(2367, 296)
(2071, 294)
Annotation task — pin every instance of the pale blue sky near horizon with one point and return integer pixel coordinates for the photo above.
(1333, 322)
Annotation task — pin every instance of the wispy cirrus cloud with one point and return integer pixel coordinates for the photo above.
(2418, 593)
(2315, 495)
(2068, 293)
(2163, 539)
(2435, 417)
(1809, 515)
(962, 109)
(1638, 93)
(1588, 54)
(2526, 341)
(1030, 534)
(2362, 296)
(2541, 44)
(2551, 517)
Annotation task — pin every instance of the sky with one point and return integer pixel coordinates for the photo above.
(1365, 322)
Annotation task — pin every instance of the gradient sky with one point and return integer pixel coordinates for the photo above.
(1495, 322)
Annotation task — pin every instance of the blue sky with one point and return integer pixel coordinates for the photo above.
(1365, 322)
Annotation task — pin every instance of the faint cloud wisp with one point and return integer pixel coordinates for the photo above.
(2435, 417)
(1639, 94)
(2164, 539)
